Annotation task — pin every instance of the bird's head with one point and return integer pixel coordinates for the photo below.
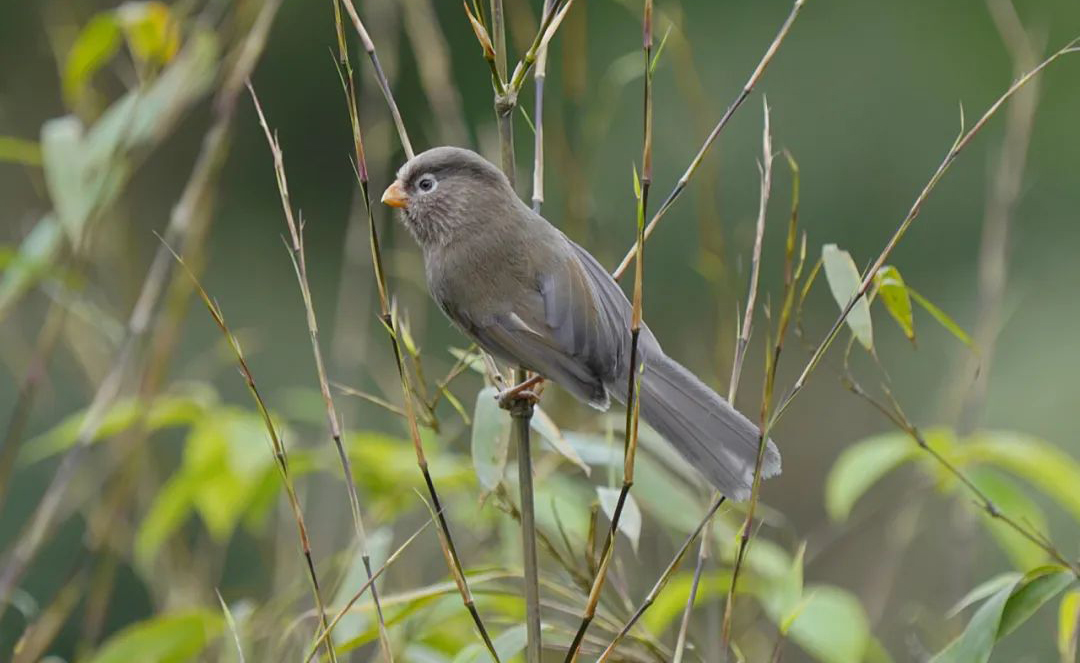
(448, 190)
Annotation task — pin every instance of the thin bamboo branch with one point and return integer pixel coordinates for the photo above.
(632, 402)
(683, 181)
(954, 151)
(743, 339)
(277, 447)
(299, 261)
(372, 577)
(389, 320)
(740, 353)
(663, 580)
(380, 75)
(539, 77)
(521, 407)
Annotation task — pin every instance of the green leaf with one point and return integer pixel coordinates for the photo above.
(35, 256)
(943, 319)
(629, 519)
(166, 411)
(977, 640)
(508, 644)
(895, 297)
(1038, 587)
(21, 151)
(844, 281)
(1003, 612)
(832, 625)
(670, 603)
(173, 504)
(1068, 622)
(659, 50)
(1042, 464)
(1010, 499)
(170, 638)
(95, 45)
(984, 590)
(490, 439)
(72, 189)
(543, 424)
(860, 466)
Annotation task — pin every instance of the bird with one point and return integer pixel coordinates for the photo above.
(530, 296)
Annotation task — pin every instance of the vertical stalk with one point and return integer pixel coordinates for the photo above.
(522, 410)
(632, 402)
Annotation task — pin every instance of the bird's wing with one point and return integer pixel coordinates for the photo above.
(573, 329)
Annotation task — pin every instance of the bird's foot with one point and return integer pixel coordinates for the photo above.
(524, 393)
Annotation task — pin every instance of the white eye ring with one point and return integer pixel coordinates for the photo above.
(427, 183)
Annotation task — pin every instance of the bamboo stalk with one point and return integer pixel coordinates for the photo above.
(299, 261)
(632, 403)
(748, 87)
(277, 447)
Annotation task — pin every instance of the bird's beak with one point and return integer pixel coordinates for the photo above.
(395, 195)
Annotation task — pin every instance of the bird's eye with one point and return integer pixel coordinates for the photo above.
(427, 183)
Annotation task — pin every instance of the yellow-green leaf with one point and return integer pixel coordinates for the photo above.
(152, 33)
(943, 318)
(95, 45)
(894, 295)
(844, 281)
(1068, 623)
(19, 150)
(860, 466)
(169, 638)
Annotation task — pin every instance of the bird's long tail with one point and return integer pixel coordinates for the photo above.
(710, 434)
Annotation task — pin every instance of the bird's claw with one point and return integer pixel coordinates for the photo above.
(525, 394)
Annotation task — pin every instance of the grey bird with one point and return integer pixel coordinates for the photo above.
(530, 296)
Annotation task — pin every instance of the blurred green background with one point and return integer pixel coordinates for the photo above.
(864, 95)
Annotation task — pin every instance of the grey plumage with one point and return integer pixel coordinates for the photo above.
(529, 295)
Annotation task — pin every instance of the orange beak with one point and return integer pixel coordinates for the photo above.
(395, 195)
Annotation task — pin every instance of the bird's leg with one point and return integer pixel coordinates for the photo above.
(521, 391)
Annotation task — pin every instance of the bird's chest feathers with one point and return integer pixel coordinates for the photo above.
(478, 282)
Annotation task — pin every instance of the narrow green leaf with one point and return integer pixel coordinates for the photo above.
(1003, 612)
(629, 520)
(894, 295)
(976, 642)
(1068, 623)
(63, 158)
(168, 638)
(95, 45)
(844, 281)
(832, 626)
(984, 590)
(490, 439)
(172, 505)
(943, 319)
(860, 466)
(33, 261)
(508, 644)
(1039, 586)
(21, 151)
(659, 50)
